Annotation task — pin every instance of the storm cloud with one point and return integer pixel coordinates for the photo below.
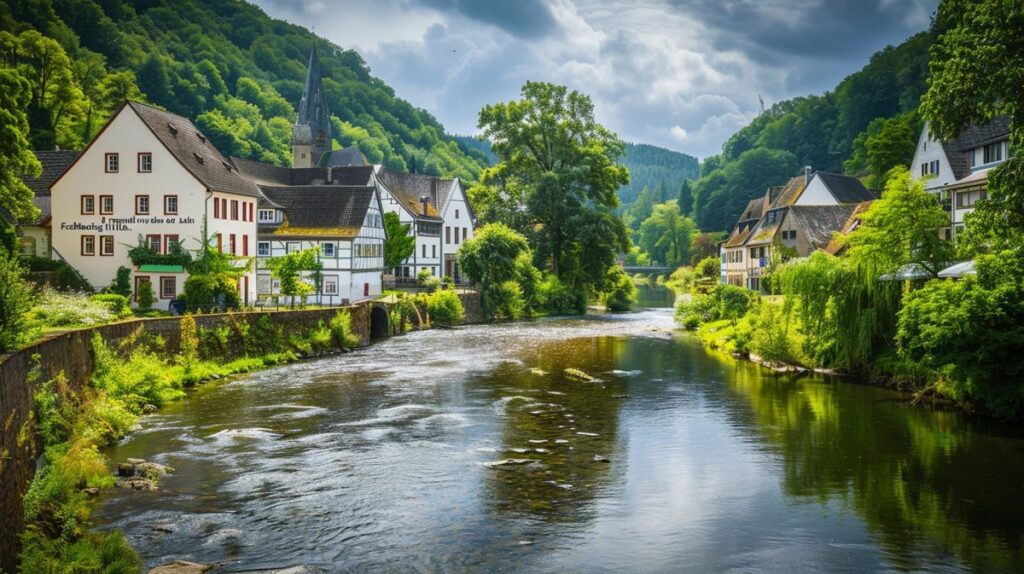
(683, 74)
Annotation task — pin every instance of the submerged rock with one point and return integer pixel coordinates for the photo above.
(599, 458)
(181, 567)
(136, 483)
(579, 375)
(508, 461)
(151, 470)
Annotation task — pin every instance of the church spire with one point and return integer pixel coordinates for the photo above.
(311, 134)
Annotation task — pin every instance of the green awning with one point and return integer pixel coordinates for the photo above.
(161, 269)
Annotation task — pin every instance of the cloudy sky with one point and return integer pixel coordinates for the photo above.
(683, 74)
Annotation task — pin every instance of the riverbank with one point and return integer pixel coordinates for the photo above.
(67, 396)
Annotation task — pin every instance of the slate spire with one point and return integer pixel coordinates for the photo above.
(312, 127)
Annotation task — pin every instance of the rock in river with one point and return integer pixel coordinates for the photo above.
(181, 567)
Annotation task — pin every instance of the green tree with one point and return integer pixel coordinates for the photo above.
(288, 270)
(901, 229)
(399, 244)
(620, 293)
(445, 307)
(685, 198)
(146, 296)
(667, 235)
(16, 159)
(720, 196)
(494, 259)
(975, 75)
(122, 284)
(565, 161)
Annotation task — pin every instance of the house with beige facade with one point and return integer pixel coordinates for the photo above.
(150, 177)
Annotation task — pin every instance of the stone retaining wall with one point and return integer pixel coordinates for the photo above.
(72, 353)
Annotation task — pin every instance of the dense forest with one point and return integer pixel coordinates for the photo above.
(223, 63)
(865, 126)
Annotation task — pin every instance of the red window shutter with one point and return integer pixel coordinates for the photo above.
(216, 208)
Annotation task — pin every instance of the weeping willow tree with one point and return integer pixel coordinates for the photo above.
(848, 304)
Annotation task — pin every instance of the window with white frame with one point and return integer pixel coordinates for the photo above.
(263, 249)
(993, 152)
(328, 248)
(266, 216)
(141, 205)
(145, 162)
(293, 247)
(170, 205)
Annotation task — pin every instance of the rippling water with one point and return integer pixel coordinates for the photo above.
(469, 450)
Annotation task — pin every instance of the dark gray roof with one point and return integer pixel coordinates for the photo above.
(845, 188)
(53, 164)
(408, 188)
(976, 136)
(819, 222)
(327, 207)
(194, 151)
(346, 157)
(267, 174)
(313, 118)
(43, 203)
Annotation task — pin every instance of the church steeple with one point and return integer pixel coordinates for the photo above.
(311, 134)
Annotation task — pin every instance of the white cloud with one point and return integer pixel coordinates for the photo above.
(679, 133)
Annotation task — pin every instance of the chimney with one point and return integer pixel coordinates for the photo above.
(424, 199)
(807, 174)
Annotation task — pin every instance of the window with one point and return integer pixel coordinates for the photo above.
(88, 245)
(934, 168)
(245, 246)
(331, 285)
(220, 243)
(448, 235)
(141, 205)
(234, 210)
(967, 199)
(153, 242)
(216, 208)
(456, 214)
(263, 249)
(168, 287)
(924, 169)
(464, 234)
(266, 216)
(424, 251)
(145, 162)
(88, 204)
(224, 208)
(170, 243)
(429, 228)
(329, 250)
(106, 204)
(994, 152)
(293, 247)
(141, 282)
(170, 205)
(107, 245)
(231, 244)
(111, 163)
(433, 251)
(456, 236)
(27, 246)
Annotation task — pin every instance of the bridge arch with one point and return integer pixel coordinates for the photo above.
(379, 322)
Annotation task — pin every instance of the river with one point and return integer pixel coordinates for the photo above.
(383, 460)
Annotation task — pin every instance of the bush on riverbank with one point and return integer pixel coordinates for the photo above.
(445, 308)
(620, 292)
(130, 379)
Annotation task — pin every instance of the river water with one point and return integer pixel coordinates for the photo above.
(678, 459)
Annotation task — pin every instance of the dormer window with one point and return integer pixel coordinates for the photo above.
(201, 137)
(994, 152)
(267, 216)
(199, 158)
(174, 130)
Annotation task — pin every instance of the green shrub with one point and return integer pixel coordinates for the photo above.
(320, 338)
(188, 343)
(122, 284)
(423, 276)
(138, 379)
(65, 278)
(445, 307)
(146, 296)
(263, 336)
(216, 342)
(504, 300)
(430, 284)
(205, 293)
(777, 335)
(341, 331)
(118, 304)
(15, 301)
(558, 298)
(621, 292)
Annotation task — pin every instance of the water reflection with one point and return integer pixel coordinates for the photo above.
(384, 460)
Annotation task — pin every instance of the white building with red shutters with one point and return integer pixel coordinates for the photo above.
(150, 176)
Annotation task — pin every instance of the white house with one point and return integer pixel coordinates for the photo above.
(459, 221)
(346, 223)
(34, 236)
(150, 176)
(957, 170)
(413, 197)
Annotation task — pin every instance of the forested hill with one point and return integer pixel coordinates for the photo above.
(651, 166)
(223, 63)
(661, 171)
(865, 126)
